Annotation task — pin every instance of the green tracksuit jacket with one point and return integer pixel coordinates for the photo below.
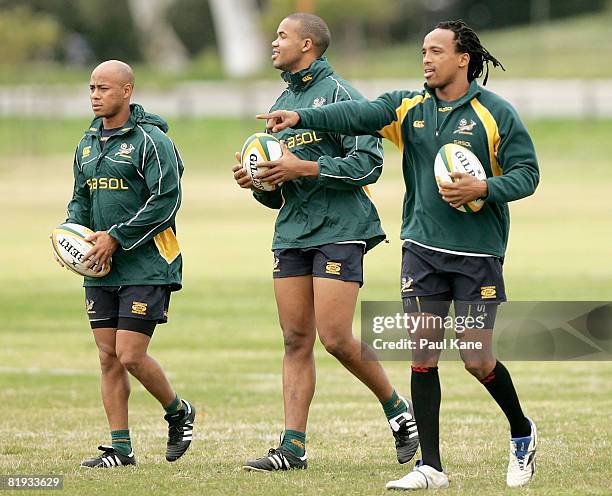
(418, 124)
(335, 206)
(132, 189)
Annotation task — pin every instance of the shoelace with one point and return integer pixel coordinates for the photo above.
(279, 454)
(175, 433)
(175, 429)
(402, 433)
(521, 455)
(107, 452)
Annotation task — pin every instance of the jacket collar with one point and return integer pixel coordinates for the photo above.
(473, 91)
(301, 80)
(137, 116)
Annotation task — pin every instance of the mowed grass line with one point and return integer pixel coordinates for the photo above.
(223, 350)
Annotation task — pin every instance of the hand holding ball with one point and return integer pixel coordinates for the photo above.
(259, 147)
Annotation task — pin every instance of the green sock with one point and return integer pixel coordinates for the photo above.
(394, 406)
(295, 441)
(175, 406)
(121, 441)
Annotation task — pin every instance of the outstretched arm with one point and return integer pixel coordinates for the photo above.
(350, 117)
(381, 118)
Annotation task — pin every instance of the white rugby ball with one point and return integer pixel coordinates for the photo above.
(259, 147)
(456, 158)
(68, 241)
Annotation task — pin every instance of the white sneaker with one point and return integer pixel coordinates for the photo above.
(421, 477)
(522, 464)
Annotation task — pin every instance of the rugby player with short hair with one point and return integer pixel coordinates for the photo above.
(325, 224)
(449, 255)
(127, 188)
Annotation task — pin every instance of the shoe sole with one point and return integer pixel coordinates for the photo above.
(104, 468)
(248, 468)
(428, 488)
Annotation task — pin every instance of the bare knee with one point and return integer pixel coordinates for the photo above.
(297, 339)
(479, 367)
(337, 345)
(131, 360)
(108, 359)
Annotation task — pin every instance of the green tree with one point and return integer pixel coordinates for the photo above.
(107, 26)
(27, 36)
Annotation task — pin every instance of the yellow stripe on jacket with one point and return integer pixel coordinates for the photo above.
(393, 131)
(492, 130)
(167, 245)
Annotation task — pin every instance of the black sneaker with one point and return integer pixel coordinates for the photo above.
(405, 432)
(109, 459)
(277, 459)
(180, 431)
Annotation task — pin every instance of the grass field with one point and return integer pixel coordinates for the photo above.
(223, 350)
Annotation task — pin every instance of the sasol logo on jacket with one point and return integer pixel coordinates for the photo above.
(106, 183)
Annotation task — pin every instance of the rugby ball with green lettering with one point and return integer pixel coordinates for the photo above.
(259, 147)
(70, 247)
(456, 158)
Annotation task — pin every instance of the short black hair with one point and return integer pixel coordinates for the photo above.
(315, 28)
(467, 41)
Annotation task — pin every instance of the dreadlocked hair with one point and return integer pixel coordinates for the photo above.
(467, 41)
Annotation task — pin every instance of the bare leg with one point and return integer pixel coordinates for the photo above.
(294, 298)
(114, 382)
(334, 308)
(478, 362)
(132, 353)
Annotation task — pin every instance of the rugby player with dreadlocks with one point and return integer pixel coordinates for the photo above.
(449, 255)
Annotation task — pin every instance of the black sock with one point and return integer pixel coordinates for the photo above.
(499, 384)
(426, 396)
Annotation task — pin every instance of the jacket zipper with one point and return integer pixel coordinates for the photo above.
(436, 118)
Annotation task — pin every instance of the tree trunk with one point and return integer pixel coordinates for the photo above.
(241, 44)
(160, 45)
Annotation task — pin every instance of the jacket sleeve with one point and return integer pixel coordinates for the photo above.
(381, 117)
(271, 199)
(361, 160)
(517, 161)
(79, 208)
(162, 173)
